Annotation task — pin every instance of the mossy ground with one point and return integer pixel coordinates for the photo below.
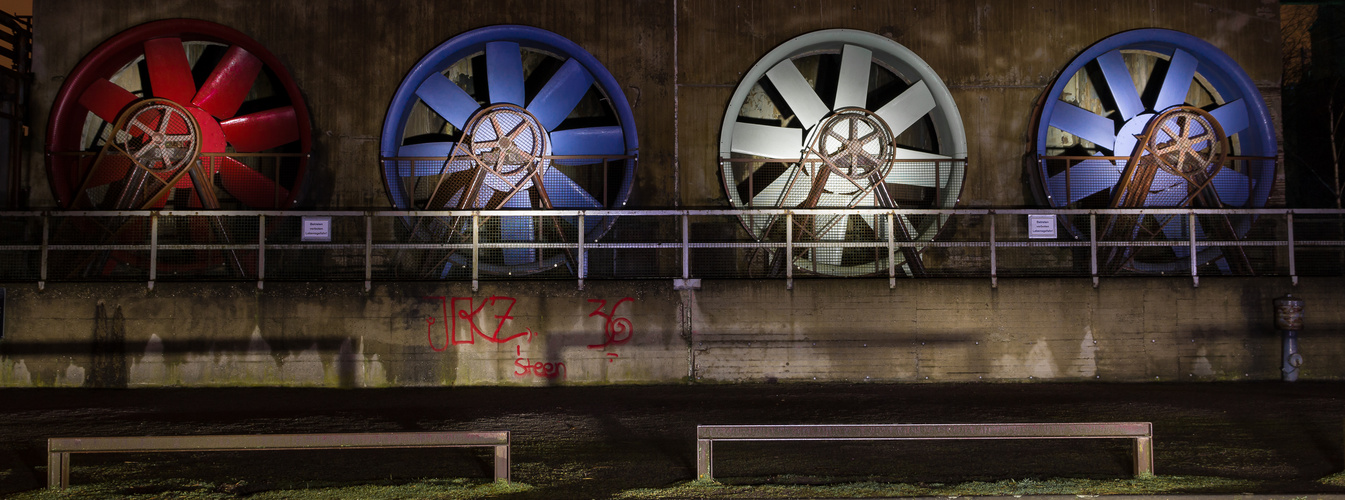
(639, 442)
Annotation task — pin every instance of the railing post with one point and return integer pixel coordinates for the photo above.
(368, 251)
(581, 257)
(789, 250)
(1293, 266)
(1092, 246)
(476, 250)
(1191, 228)
(153, 248)
(892, 250)
(686, 248)
(994, 265)
(46, 233)
(261, 251)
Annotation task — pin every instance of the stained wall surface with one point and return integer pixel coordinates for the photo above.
(678, 62)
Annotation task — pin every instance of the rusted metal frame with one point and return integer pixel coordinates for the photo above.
(1141, 432)
(60, 449)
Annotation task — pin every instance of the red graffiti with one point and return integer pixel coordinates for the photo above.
(611, 356)
(471, 314)
(617, 330)
(524, 367)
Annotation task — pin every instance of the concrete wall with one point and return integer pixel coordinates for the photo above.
(645, 332)
(348, 57)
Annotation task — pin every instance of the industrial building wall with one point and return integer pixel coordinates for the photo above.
(677, 62)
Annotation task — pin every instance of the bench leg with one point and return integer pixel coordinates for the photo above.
(58, 470)
(502, 463)
(1144, 456)
(704, 457)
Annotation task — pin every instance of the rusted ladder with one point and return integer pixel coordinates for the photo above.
(60, 449)
(1141, 432)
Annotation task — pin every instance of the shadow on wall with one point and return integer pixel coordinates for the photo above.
(111, 364)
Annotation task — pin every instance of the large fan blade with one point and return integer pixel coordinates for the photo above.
(852, 87)
(829, 228)
(565, 193)
(800, 97)
(262, 130)
(226, 87)
(250, 186)
(447, 99)
(561, 94)
(1175, 230)
(592, 141)
(105, 99)
(169, 72)
(430, 150)
(515, 229)
(1085, 124)
(1177, 82)
(917, 174)
(1167, 190)
(1085, 179)
(768, 141)
(1233, 187)
(1119, 84)
(111, 168)
(903, 111)
(504, 73)
(1231, 116)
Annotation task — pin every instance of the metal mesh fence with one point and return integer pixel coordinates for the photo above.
(1318, 246)
(537, 244)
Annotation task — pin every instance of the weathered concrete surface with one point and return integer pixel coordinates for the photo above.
(637, 332)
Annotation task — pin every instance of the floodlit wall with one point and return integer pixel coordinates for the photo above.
(678, 63)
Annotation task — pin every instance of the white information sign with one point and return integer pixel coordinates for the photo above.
(1041, 226)
(316, 229)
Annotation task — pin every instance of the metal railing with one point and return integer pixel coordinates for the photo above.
(369, 246)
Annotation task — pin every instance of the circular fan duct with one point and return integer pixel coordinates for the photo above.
(177, 114)
(1112, 123)
(843, 119)
(508, 117)
(164, 113)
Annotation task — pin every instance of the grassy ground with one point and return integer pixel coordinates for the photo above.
(639, 442)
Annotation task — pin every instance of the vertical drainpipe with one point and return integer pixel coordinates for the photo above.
(1289, 320)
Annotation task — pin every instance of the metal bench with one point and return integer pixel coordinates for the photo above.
(60, 449)
(706, 435)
